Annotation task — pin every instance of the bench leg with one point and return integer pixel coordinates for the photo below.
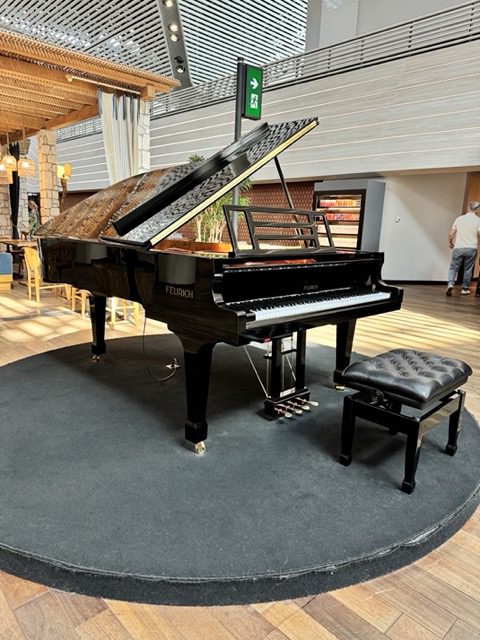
(412, 454)
(348, 430)
(454, 425)
(396, 407)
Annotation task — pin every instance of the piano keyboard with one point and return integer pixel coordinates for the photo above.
(278, 309)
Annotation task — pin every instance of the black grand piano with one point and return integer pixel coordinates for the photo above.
(280, 277)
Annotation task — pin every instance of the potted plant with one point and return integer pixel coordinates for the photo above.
(210, 225)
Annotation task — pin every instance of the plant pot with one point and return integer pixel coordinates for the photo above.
(193, 245)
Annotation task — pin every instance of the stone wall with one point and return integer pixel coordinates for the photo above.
(5, 211)
(23, 222)
(47, 171)
(5, 220)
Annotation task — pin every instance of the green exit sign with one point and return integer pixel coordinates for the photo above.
(252, 106)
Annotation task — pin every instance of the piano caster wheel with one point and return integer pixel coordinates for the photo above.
(199, 447)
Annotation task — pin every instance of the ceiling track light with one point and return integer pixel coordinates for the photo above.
(172, 27)
(180, 68)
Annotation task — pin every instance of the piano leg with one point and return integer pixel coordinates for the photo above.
(345, 333)
(198, 360)
(97, 318)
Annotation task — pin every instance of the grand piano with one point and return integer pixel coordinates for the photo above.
(280, 277)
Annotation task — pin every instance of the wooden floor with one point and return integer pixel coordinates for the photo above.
(437, 597)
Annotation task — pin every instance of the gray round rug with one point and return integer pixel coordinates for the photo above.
(100, 495)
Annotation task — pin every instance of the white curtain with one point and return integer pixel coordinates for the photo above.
(119, 115)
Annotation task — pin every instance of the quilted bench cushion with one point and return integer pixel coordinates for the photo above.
(5, 263)
(414, 378)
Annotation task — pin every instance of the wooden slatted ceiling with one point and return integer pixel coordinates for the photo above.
(45, 86)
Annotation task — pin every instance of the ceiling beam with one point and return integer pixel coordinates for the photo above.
(15, 135)
(147, 93)
(43, 75)
(35, 124)
(39, 99)
(37, 91)
(74, 116)
(14, 121)
(26, 107)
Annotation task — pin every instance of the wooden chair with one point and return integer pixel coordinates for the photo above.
(120, 305)
(34, 274)
(79, 295)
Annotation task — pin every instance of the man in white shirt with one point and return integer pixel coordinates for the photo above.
(463, 239)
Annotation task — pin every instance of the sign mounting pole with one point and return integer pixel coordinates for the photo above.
(240, 99)
(248, 102)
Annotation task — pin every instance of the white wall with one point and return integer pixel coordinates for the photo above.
(332, 21)
(378, 14)
(338, 21)
(418, 213)
(416, 114)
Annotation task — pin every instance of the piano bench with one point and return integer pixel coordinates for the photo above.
(426, 382)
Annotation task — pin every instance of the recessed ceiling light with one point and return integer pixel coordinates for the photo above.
(180, 68)
(174, 37)
(168, 3)
(173, 27)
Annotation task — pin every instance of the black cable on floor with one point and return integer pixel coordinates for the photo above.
(173, 363)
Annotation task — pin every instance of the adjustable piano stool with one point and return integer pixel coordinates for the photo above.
(424, 381)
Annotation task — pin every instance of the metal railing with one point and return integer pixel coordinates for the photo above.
(439, 30)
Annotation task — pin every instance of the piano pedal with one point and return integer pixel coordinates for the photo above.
(96, 358)
(304, 405)
(339, 387)
(289, 406)
(294, 407)
(283, 411)
(310, 403)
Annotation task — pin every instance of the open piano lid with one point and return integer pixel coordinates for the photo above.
(144, 209)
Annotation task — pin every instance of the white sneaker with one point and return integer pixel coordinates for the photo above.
(449, 290)
(465, 292)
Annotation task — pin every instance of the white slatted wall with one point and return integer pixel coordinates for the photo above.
(420, 113)
(416, 114)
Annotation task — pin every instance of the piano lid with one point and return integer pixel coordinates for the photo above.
(144, 209)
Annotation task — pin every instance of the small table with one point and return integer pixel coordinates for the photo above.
(17, 242)
(15, 246)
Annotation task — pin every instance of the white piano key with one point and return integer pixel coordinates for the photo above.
(299, 310)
